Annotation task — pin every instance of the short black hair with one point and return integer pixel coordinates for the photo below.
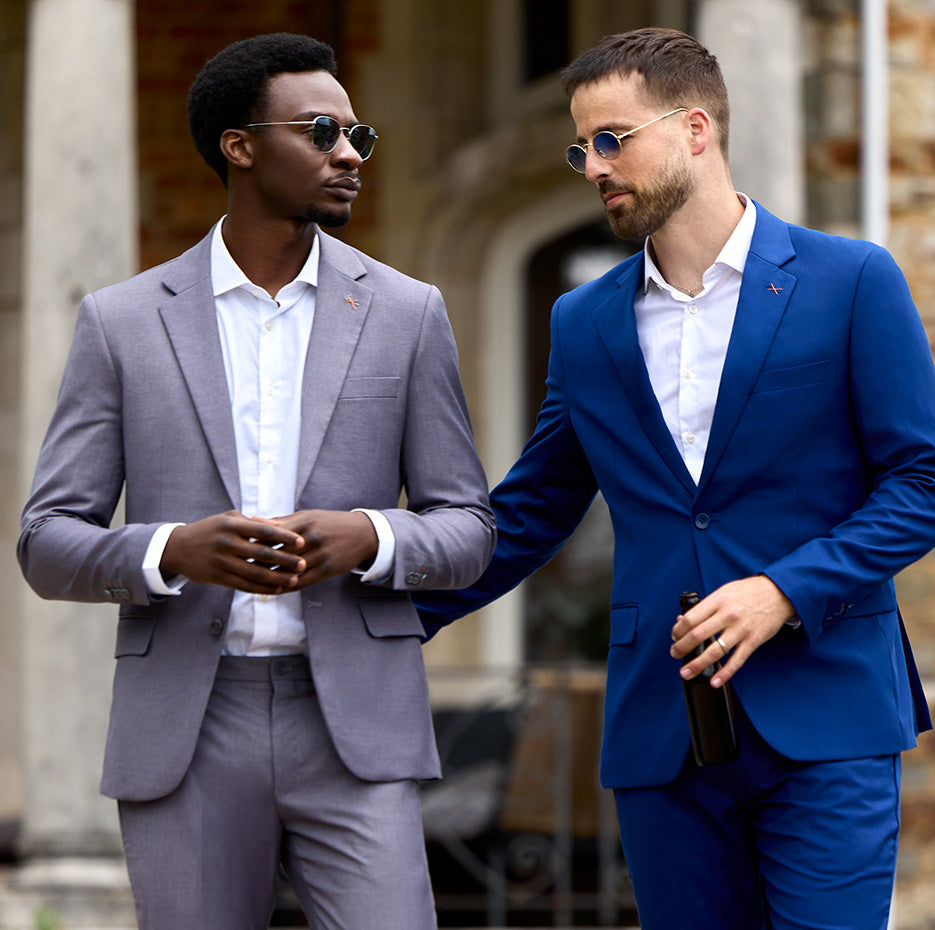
(230, 90)
(677, 71)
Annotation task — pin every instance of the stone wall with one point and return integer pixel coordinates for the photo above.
(12, 33)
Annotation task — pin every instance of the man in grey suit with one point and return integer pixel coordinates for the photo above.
(264, 399)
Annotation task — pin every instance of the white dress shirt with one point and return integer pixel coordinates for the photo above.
(264, 342)
(684, 339)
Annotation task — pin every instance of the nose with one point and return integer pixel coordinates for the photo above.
(595, 167)
(344, 153)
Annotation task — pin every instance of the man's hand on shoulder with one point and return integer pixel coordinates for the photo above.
(335, 541)
(235, 551)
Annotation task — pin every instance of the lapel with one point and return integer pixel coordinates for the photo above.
(335, 333)
(764, 296)
(616, 325)
(190, 320)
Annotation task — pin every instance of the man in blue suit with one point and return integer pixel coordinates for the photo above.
(756, 402)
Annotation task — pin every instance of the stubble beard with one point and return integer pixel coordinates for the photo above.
(647, 211)
(328, 219)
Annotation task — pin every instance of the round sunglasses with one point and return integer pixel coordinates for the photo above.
(607, 143)
(324, 132)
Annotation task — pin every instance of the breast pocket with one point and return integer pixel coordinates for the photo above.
(784, 379)
(367, 388)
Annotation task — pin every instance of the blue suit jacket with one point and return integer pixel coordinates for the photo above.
(820, 473)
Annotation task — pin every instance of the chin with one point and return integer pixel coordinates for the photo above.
(330, 220)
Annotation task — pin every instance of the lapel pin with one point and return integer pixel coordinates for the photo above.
(352, 301)
(772, 287)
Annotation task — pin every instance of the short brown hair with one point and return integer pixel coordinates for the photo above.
(676, 68)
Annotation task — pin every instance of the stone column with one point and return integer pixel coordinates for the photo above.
(80, 232)
(759, 47)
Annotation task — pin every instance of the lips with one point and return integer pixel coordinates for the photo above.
(346, 187)
(613, 197)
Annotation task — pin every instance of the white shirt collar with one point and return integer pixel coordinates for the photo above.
(732, 255)
(226, 274)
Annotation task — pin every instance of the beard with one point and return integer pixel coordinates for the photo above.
(650, 208)
(331, 219)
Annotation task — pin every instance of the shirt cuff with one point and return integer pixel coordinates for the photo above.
(382, 566)
(151, 573)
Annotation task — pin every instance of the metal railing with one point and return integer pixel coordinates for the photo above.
(520, 830)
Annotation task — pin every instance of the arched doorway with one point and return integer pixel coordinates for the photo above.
(566, 607)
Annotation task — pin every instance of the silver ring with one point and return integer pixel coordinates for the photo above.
(720, 642)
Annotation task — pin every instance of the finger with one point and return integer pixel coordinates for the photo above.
(696, 636)
(276, 558)
(729, 668)
(253, 576)
(697, 665)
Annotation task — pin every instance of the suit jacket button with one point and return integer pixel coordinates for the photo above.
(702, 521)
(216, 626)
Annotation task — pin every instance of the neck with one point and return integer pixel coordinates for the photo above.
(690, 242)
(270, 254)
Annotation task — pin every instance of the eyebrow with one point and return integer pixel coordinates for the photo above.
(310, 115)
(616, 130)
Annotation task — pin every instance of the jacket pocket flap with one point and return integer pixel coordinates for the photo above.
(370, 387)
(391, 616)
(134, 635)
(780, 379)
(623, 624)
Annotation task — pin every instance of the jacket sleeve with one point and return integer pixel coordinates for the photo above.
(445, 537)
(66, 549)
(892, 401)
(538, 505)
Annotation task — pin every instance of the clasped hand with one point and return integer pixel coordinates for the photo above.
(737, 618)
(269, 556)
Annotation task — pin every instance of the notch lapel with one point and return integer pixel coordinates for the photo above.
(764, 296)
(335, 333)
(190, 320)
(616, 324)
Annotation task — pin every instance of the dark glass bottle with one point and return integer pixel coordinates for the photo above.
(710, 710)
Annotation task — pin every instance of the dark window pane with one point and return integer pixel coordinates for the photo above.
(545, 37)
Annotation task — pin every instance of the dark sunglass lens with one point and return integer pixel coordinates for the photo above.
(576, 157)
(606, 145)
(362, 138)
(325, 132)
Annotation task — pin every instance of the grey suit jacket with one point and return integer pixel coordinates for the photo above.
(144, 404)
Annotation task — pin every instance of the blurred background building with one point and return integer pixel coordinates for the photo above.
(833, 126)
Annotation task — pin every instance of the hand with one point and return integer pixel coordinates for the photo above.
(335, 541)
(234, 551)
(742, 614)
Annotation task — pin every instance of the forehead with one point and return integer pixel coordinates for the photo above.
(306, 93)
(612, 101)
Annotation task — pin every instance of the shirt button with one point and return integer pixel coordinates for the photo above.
(269, 327)
(690, 438)
(693, 309)
(688, 373)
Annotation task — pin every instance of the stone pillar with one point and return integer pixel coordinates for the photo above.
(759, 47)
(12, 32)
(80, 232)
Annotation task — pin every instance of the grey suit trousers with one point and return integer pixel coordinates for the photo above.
(267, 788)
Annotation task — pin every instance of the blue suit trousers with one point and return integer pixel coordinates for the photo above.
(765, 843)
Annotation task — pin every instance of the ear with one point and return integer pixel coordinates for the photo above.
(702, 130)
(237, 148)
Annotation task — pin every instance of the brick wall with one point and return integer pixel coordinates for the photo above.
(180, 197)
